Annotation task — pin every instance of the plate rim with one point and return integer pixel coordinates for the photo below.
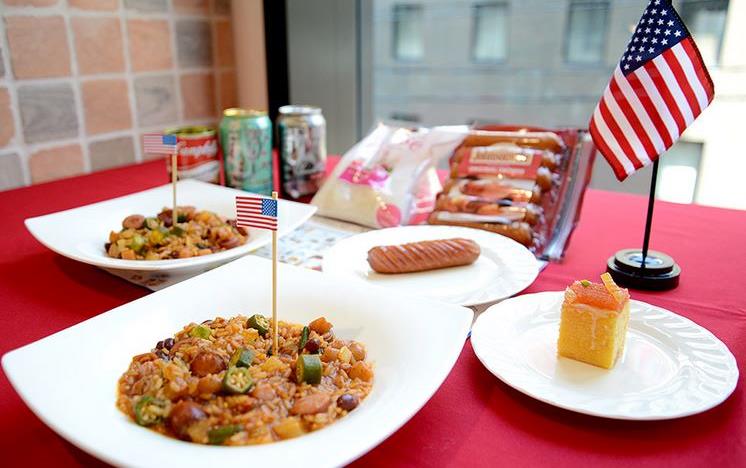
(10, 359)
(469, 303)
(32, 225)
(714, 403)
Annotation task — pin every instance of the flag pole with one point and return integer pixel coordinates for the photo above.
(174, 217)
(274, 285)
(649, 219)
(645, 269)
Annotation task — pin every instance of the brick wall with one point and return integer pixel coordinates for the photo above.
(82, 80)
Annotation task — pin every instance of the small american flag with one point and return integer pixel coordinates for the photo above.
(252, 211)
(157, 143)
(658, 88)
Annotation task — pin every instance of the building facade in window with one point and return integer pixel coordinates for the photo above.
(706, 21)
(490, 32)
(408, 31)
(585, 37)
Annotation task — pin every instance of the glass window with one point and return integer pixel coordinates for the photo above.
(408, 31)
(679, 171)
(586, 31)
(490, 32)
(429, 62)
(706, 21)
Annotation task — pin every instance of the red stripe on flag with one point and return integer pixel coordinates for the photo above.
(632, 118)
(256, 221)
(651, 110)
(257, 224)
(618, 134)
(257, 217)
(699, 67)
(600, 143)
(682, 81)
(662, 86)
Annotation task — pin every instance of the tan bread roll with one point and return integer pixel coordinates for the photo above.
(423, 255)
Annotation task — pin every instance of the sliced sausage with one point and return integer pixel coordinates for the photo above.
(184, 414)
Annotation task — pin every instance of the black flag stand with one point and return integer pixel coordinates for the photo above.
(645, 269)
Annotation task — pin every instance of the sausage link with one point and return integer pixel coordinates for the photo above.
(423, 255)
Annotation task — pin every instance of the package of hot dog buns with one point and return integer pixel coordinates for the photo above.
(389, 177)
(522, 182)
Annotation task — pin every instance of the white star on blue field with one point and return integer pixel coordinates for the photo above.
(660, 28)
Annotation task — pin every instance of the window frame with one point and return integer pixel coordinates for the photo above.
(605, 35)
(473, 45)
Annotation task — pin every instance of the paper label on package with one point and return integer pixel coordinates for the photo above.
(500, 160)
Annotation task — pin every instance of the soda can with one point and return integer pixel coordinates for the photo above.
(198, 156)
(246, 139)
(301, 133)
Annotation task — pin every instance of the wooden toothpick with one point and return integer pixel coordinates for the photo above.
(174, 215)
(274, 285)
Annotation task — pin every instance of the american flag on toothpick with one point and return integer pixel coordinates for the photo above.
(259, 212)
(658, 88)
(253, 211)
(158, 143)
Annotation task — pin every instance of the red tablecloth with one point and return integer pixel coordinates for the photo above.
(473, 420)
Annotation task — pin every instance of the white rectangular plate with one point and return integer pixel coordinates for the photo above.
(80, 233)
(69, 379)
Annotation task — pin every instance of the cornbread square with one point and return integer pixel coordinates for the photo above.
(594, 322)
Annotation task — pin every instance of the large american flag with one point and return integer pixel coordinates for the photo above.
(658, 88)
(253, 211)
(158, 143)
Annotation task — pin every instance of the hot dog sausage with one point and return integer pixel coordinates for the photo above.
(488, 188)
(520, 232)
(423, 255)
(541, 140)
(501, 207)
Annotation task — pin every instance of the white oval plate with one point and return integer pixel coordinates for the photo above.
(410, 360)
(504, 268)
(671, 367)
(80, 233)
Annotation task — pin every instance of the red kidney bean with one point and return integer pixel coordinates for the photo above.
(313, 345)
(166, 217)
(348, 402)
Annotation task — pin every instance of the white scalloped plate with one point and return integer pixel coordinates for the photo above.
(504, 268)
(671, 366)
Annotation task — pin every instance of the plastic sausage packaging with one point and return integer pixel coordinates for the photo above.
(524, 183)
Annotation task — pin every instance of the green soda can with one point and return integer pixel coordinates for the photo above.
(246, 139)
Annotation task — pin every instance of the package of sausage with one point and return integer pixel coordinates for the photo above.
(524, 183)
